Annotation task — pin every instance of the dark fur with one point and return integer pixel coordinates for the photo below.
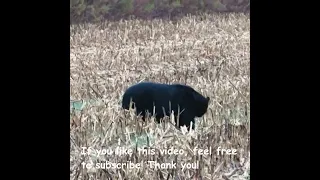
(147, 94)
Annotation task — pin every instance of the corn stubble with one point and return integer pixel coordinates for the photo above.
(208, 52)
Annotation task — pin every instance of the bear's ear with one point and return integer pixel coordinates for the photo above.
(208, 100)
(191, 93)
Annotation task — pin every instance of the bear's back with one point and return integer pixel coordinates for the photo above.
(146, 94)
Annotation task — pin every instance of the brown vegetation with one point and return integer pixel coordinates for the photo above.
(99, 10)
(208, 52)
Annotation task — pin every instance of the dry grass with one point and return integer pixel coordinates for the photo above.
(209, 53)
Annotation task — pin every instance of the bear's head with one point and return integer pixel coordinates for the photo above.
(194, 100)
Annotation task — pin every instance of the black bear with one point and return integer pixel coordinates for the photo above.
(146, 95)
